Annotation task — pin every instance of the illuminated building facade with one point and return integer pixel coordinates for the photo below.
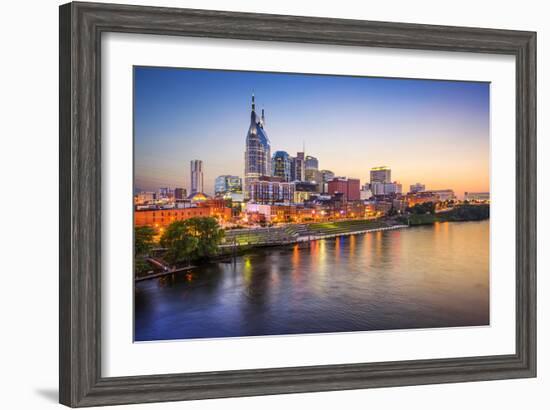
(421, 198)
(145, 197)
(160, 218)
(303, 191)
(271, 190)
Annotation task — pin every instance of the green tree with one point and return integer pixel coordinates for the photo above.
(179, 241)
(193, 238)
(423, 208)
(208, 233)
(143, 243)
(143, 239)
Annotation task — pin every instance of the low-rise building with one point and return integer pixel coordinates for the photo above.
(418, 187)
(143, 198)
(392, 188)
(365, 194)
(443, 194)
(162, 217)
(477, 196)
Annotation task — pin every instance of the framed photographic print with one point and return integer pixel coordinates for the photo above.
(261, 204)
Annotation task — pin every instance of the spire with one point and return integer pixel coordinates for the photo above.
(253, 104)
(263, 118)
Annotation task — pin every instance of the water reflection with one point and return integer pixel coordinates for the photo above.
(429, 276)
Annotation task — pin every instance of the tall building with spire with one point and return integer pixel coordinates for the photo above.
(257, 157)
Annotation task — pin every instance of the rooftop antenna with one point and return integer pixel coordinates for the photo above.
(253, 104)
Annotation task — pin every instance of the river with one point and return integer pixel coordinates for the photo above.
(418, 277)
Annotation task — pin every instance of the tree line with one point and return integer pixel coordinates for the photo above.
(424, 214)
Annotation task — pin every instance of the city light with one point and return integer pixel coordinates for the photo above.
(282, 189)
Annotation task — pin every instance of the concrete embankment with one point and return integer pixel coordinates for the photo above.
(291, 234)
(335, 235)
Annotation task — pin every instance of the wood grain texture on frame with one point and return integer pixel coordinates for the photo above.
(81, 26)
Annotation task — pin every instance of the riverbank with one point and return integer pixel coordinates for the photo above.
(328, 235)
(463, 213)
(333, 231)
(164, 273)
(296, 233)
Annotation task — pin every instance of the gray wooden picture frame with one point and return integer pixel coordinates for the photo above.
(81, 27)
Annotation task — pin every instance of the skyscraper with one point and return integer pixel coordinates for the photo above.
(197, 178)
(281, 165)
(312, 173)
(380, 174)
(315, 176)
(312, 162)
(297, 167)
(257, 156)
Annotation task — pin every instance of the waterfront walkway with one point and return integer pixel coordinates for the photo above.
(166, 270)
(294, 233)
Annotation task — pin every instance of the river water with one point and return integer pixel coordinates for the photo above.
(419, 277)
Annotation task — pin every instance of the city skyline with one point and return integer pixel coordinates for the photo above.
(434, 132)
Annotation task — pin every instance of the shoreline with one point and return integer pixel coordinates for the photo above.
(312, 237)
(234, 250)
(327, 236)
(242, 249)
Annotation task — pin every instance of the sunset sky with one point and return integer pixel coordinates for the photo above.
(433, 132)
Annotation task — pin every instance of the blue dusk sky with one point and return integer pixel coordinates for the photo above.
(428, 131)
